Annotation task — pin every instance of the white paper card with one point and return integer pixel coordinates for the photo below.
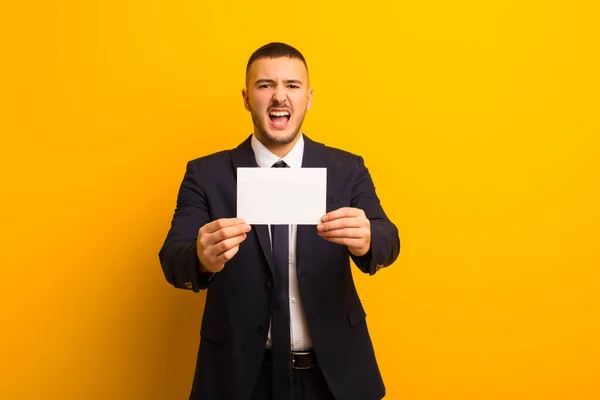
(286, 196)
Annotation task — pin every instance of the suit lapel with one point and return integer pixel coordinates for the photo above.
(314, 154)
(314, 157)
(243, 156)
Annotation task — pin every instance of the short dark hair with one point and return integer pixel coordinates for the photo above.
(275, 50)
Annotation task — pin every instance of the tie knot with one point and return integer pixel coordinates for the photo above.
(280, 164)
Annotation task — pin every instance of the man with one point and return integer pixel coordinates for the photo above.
(282, 318)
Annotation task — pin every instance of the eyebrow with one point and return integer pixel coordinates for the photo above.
(287, 81)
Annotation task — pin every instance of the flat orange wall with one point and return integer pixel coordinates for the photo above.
(478, 120)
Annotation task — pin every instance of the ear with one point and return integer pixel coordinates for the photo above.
(309, 104)
(246, 99)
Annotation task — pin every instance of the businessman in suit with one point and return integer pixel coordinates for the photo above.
(282, 319)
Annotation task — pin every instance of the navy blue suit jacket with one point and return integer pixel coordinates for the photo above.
(237, 311)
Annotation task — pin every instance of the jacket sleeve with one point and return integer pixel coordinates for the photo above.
(178, 255)
(385, 242)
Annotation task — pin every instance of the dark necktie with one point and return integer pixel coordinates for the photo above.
(280, 317)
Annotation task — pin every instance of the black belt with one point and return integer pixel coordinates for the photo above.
(300, 359)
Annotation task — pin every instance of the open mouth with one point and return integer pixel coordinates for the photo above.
(279, 119)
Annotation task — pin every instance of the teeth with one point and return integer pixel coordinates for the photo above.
(279, 113)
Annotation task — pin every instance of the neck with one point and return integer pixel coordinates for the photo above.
(279, 149)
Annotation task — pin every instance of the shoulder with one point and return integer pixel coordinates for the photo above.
(341, 154)
(209, 166)
(217, 158)
(335, 155)
(219, 161)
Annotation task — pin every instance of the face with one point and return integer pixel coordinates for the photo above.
(277, 95)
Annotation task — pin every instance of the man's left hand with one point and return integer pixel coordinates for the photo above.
(347, 226)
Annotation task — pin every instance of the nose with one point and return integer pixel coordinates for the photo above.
(279, 95)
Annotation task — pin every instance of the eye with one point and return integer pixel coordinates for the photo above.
(264, 86)
(293, 86)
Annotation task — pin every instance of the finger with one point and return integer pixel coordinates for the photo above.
(228, 255)
(215, 246)
(351, 222)
(227, 244)
(214, 226)
(228, 232)
(349, 242)
(211, 239)
(214, 252)
(344, 233)
(343, 212)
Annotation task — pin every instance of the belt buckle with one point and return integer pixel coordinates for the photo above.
(299, 353)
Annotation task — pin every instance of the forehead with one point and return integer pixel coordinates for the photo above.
(278, 69)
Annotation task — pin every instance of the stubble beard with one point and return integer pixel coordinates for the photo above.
(260, 123)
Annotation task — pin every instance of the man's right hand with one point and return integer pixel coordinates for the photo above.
(219, 241)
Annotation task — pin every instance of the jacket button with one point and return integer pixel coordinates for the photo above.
(269, 285)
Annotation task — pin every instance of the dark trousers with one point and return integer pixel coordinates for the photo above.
(309, 384)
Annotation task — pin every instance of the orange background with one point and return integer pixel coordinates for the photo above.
(478, 120)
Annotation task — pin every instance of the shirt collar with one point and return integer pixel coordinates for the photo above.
(266, 159)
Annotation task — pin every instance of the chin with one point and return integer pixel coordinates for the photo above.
(281, 137)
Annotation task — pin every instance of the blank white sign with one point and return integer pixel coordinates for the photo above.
(283, 196)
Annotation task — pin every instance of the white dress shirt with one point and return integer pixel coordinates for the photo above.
(299, 333)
